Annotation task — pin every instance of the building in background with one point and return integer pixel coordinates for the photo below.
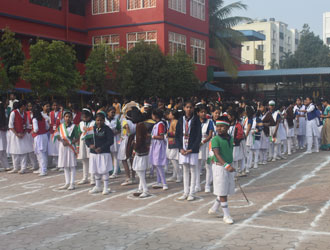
(280, 41)
(326, 28)
(172, 24)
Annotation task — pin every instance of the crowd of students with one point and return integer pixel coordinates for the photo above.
(226, 139)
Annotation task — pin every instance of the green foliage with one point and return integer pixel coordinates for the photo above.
(51, 70)
(222, 37)
(179, 75)
(11, 59)
(144, 71)
(140, 71)
(311, 52)
(100, 67)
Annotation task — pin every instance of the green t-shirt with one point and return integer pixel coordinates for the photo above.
(225, 148)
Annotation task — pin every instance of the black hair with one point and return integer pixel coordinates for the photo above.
(158, 113)
(249, 112)
(36, 111)
(111, 109)
(201, 107)
(310, 98)
(233, 114)
(3, 119)
(134, 115)
(188, 102)
(87, 113)
(175, 113)
(75, 107)
(224, 118)
(42, 104)
(100, 114)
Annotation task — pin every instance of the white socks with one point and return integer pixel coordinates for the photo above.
(69, 174)
(224, 206)
(216, 205)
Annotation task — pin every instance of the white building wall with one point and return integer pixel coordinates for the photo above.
(279, 40)
(326, 28)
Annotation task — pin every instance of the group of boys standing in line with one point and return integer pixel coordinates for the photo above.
(225, 139)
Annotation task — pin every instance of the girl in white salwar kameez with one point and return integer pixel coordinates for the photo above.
(19, 144)
(56, 118)
(3, 139)
(300, 112)
(100, 162)
(312, 130)
(40, 129)
(85, 127)
(68, 136)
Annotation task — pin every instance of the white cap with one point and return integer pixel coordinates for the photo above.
(271, 103)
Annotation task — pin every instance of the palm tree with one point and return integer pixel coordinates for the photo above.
(273, 64)
(222, 37)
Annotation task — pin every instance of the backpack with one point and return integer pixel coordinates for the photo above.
(239, 133)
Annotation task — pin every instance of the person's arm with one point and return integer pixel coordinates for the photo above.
(160, 132)
(226, 165)
(179, 135)
(278, 120)
(109, 139)
(249, 126)
(197, 137)
(35, 125)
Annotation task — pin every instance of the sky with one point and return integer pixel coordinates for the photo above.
(293, 12)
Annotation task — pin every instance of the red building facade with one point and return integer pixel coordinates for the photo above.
(172, 24)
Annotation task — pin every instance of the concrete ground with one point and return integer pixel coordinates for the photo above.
(289, 209)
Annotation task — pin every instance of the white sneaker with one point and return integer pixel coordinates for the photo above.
(71, 187)
(144, 195)
(106, 191)
(165, 187)
(255, 166)
(42, 174)
(283, 157)
(157, 185)
(113, 176)
(83, 181)
(95, 190)
(228, 220)
(207, 189)
(216, 213)
(171, 179)
(23, 171)
(274, 159)
(264, 163)
(179, 180)
(308, 152)
(190, 198)
(92, 183)
(198, 189)
(66, 186)
(183, 197)
(36, 172)
(247, 171)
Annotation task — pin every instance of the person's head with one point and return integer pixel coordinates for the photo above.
(67, 117)
(249, 112)
(157, 114)
(271, 105)
(308, 100)
(232, 115)
(99, 119)
(173, 115)
(55, 106)
(111, 112)
(12, 96)
(75, 107)
(45, 107)
(86, 114)
(21, 105)
(202, 111)
(161, 104)
(36, 112)
(204, 100)
(325, 102)
(188, 108)
(29, 106)
(216, 113)
(222, 125)
(298, 101)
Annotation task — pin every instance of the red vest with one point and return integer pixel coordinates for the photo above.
(54, 121)
(41, 128)
(19, 122)
(29, 119)
(77, 118)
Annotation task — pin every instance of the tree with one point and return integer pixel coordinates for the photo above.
(222, 37)
(51, 70)
(273, 64)
(140, 71)
(11, 59)
(311, 52)
(179, 75)
(100, 68)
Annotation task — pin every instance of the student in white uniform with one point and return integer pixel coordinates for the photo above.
(19, 144)
(275, 139)
(312, 130)
(289, 126)
(56, 118)
(3, 139)
(39, 133)
(188, 135)
(300, 112)
(85, 128)
(68, 136)
(100, 162)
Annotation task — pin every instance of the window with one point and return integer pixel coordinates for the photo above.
(198, 50)
(281, 35)
(53, 4)
(178, 5)
(149, 37)
(140, 4)
(109, 40)
(281, 49)
(76, 7)
(296, 41)
(197, 9)
(176, 42)
(328, 40)
(105, 6)
(247, 48)
(261, 47)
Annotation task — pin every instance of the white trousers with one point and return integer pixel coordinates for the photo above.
(143, 183)
(43, 162)
(70, 175)
(19, 161)
(105, 178)
(33, 160)
(201, 163)
(4, 160)
(176, 170)
(189, 189)
(310, 140)
(209, 176)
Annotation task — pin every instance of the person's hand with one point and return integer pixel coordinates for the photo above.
(183, 152)
(65, 143)
(188, 151)
(230, 169)
(92, 146)
(98, 150)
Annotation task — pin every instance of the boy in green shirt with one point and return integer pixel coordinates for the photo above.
(223, 172)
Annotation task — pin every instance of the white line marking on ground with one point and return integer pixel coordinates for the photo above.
(269, 204)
